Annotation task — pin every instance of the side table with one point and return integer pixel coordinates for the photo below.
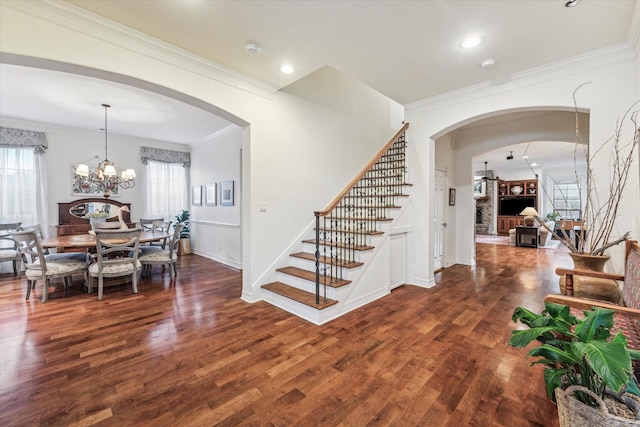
(527, 236)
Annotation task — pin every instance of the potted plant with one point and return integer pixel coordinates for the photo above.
(185, 235)
(94, 217)
(580, 352)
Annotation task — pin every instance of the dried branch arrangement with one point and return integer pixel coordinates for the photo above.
(599, 212)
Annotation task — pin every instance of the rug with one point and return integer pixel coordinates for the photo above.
(504, 240)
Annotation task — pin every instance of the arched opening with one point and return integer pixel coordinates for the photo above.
(462, 150)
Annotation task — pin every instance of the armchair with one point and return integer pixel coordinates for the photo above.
(38, 267)
(8, 249)
(116, 256)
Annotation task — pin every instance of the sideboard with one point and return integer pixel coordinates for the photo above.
(72, 215)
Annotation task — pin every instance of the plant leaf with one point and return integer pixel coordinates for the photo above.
(609, 360)
(552, 380)
(522, 338)
(558, 355)
(591, 326)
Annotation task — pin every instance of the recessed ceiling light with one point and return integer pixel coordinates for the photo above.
(488, 63)
(471, 42)
(534, 164)
(287, 69)
(525, 157)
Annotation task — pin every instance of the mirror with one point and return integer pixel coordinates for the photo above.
(94, 210)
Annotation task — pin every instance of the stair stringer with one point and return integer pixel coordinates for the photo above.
(369, 282)
(373, 281)
(282, 260)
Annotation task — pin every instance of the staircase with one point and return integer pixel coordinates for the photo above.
(341, 265)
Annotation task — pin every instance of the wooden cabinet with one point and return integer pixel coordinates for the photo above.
(526, 187)
(507, 222)
(71, 218)
(513, 196)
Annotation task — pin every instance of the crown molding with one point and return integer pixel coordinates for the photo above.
(634, 29)
(618, 53)
(79, 20)
(217, 136)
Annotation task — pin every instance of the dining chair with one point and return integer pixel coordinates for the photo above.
(79, 256)
(161, 226)
(38, 267)
(8, 248)
(105, 225)
(168, 257)
(116, 256)
(147, 223)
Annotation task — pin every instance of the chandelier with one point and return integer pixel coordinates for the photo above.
(105, 178)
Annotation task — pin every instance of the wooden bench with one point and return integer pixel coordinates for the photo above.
(626, 315)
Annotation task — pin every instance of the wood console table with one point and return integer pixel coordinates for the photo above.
(528, 236)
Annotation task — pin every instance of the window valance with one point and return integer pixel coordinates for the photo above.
(166, 156)
(16, 138)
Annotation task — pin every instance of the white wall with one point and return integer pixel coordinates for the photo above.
(216, 230)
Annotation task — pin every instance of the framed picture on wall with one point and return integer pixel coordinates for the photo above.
(211, 194)
(196, 195)
(226, 193)
(83, 186)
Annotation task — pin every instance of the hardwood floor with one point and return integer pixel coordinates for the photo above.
(194, 354)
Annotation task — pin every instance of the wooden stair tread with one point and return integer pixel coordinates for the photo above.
(298, 295)
(325, 260)
(403, 184)
(369, 207)
(369, 196)
(355, 248)
(311, 276)
(347, 231)
(352, 218)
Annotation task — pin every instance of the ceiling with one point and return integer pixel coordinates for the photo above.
(407, 50)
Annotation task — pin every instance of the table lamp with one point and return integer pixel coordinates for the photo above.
(530, 215)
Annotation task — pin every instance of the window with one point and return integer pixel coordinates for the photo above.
(166, 189)
(566, 199)
(17, 186)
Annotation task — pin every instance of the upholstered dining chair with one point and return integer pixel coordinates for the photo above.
(147, 223)
(37, 228)
(168, 257)
(8, 249)
(162, 227)
(38, 267)
(105, 225)
(116, 256)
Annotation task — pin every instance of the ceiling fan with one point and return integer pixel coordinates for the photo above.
(486, 177)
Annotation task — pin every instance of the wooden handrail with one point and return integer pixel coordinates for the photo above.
(364, 170)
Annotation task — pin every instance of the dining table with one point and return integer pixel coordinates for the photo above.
(77, 242)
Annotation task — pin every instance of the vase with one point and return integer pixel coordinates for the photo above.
(95, 220)
(592, 287)
(184, 248)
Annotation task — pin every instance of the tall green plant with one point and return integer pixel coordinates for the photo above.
(577, 351)
(183, 218)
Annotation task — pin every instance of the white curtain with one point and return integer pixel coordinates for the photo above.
(18, 186)
(23, 189)
(165, 190)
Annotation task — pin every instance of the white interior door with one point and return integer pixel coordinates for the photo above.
(439, 225)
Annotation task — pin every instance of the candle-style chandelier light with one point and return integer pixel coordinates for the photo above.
(105, 178)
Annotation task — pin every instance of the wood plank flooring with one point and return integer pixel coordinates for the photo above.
(193, 353)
